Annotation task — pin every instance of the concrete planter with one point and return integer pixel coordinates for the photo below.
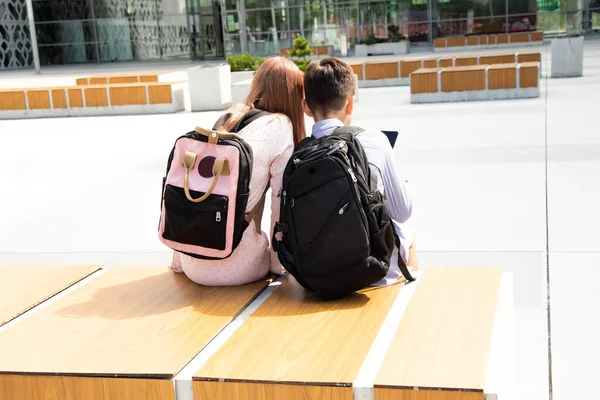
(240, 90)
(567, 57)
(364, 50)
(210, 88)
(241, 76)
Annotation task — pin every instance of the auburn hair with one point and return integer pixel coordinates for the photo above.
(277, 87)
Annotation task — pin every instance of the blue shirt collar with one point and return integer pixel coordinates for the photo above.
(325, 127)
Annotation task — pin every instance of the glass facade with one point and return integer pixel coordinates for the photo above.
(80, 31)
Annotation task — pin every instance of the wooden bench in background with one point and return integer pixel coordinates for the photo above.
(296, 347)
(24, 287)
(121, 336)
(476, 82)
(517, 39)
(119, 78)
(104, 99)
(397, 72)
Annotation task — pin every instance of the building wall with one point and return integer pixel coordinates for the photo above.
(15, 42)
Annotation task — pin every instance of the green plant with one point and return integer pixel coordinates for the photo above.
(372, 39)
(301, 52)
(395, 35)
(244, 62)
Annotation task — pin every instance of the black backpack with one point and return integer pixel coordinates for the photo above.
(337, 236)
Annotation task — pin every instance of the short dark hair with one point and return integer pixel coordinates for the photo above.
(328, 84)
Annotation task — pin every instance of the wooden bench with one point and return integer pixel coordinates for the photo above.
(121, 336)
(295, 346)
(518, 39)
(24, 287)
(105, 99)
(476, 82)
(397, 72)
(118, 78)
(451, 340)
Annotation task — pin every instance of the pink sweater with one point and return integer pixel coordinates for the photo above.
(271, 138)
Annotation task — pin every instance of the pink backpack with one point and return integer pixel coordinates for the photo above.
(206, 189)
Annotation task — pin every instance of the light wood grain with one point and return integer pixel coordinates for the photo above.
(497, 59)
(268, 391)
(123, 79)
(148, 78)
(529, 75)
(24, 287)
(463, 78)
(492, 39)
(381, 70)
(502, 38)
(296, 338)
(358, 69)
(520, 37)
(98, 80)
(463, 61)
(59, 98)
(439, 43)
(133, 321)
(127, 95)
(529, 57)
(483, 39)
(447, 61)
(12, 100)
(537, 36)
(29, 387)
(502, 76)
(444, 338)
(391, 394)
(431, 62)
(82, 81)
(457, 41)
(407, 67)
(159, 94)
(38, 99)
(424, 80)
(75, 98)
(95, 97)
(473, 40)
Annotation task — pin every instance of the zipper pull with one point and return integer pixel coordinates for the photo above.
(218, 218)
(284, 196)
(296, 161)
(343, 209)
(292, 203)
(352, 175)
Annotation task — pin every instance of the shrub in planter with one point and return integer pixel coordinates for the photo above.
(244, 62)
(301, 52)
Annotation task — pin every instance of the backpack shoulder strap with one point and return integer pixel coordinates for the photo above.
(248, 118)
(401, 264)
(352, 130)
(257, 212)
(221, 121)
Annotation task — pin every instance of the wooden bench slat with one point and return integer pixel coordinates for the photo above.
(297, 339)
(24, 287)
(529, 76)
(129, 321)
(444, 338)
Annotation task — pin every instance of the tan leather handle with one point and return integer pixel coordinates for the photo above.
(220, 167)
(213, 136)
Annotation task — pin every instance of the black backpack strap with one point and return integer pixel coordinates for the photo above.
(221, 121)
(247, 119)
(352, 130)
(401, 263)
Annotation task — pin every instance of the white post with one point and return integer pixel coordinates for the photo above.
(33, 36)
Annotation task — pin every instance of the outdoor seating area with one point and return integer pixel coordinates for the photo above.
(534, 38)
(475, 82)
(151, 330)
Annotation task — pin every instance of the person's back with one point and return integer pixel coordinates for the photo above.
(276, 88)
(329, 87)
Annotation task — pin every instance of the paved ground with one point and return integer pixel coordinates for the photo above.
(506, 183)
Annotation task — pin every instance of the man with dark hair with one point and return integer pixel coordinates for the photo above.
(329, 88)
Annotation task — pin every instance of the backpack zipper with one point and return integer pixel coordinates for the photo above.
(343, 209)
(218, 217)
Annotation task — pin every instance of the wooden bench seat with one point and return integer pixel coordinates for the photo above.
(488, 41)
(476, 82)
(24, 287)
(101, 99)
(442, 347)
(434, 339)
(296, 346)
(121, 336)
(317, 51)
(118, 78)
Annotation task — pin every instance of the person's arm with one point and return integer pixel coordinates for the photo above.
(283, 148)
(396, 189)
